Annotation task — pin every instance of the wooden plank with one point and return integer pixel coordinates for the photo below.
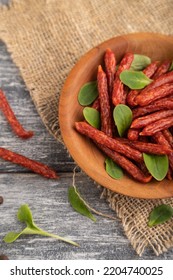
(42, 146)
(51, 211)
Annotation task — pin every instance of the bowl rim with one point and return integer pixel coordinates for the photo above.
(66, 88)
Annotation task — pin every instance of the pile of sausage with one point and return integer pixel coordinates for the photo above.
(152, 108)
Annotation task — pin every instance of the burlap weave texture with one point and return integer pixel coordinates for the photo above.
(46, 38)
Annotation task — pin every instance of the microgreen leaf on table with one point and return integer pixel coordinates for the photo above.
(112, 169)
(123, 117)
(134, 79)
(78, 203)
(25, 215)
(160, 214)
(88, 93)
(92, 116)
(157, 165)
(140, 62)
(12, 236)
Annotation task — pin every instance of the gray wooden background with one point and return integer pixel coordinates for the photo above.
(47, 199)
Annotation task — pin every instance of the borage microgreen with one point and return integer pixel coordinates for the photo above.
(88, 93)
(78, 203)
(134, 79)
(157, 165)
(140, 62)
(122, 115)
(92, 116)
(112, 169)
(25, 215)
(160, 214)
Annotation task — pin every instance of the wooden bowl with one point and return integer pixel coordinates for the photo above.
(83, 151)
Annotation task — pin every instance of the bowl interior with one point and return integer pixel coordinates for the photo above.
(83, 151)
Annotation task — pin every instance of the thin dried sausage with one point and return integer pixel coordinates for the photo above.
(114, 144)
(146, 97)
(143, 121)
(118, 88)
(162, 69)
(148, 71)
(161, 80)
(133, 134)
(33, 165)
(118, 92)
(147, 147)
(96, 104)
(163, 103)
(110, 67)
(157, 126)
(168, 135)
(127, 165)
(105, 110)
(160, 139)
(11, 118)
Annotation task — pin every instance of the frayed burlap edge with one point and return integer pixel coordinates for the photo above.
(131, 211)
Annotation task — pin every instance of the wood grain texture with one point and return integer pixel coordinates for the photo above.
(47, 199)
(41, 146)
(101, 240)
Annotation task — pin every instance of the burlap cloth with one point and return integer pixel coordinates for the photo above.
(46, 38)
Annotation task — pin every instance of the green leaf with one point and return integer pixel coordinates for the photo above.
(157, 165)
(113, 170)
(171, 67)
(78, 203)
(39, 231)
(140, 62)
(92, 116)
(88, 93)
(123, 117)
(160, 214)
(134, 79)
(12, 236)
(25, 215)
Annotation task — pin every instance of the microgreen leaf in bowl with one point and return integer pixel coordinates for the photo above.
(157, 165)
(113, 169)
(140, 62)
(134, 79)
(123, 117)
(88, 93)
(92, 116)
